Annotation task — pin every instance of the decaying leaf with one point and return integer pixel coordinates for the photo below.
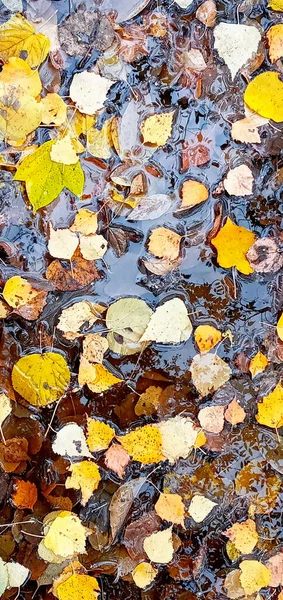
(234, 413)
(211, 418)
(5, 407)
(144, 574)
(76, 585)
(85, 476)
(148, 401)
(239, 181)
(264, 95)
(246, 131)
(18, 36)
(41, 378)
(99, 435)
(62, 243)
(170, 507)
(264, 256)
(25, 494)
(206, 337)
(275, 567)
(209, 372)
(72, 276)
(83, 30)
(20, 113)
(243, 535)
(12, 575)
(85, 222)
(126, 320)
(258, 364)
(169, 324)
(70, 441)
(80, 314)
(162, 266)
(236, 44)
(270, 410)
(232, 243)
(143, 444)
(64, 534)
(151, 207)
(164, 243)
(156, 129)
(96, 376)
(178, 437)
(254, 576)
(206, 13)
(159, 546)
(54, 110)
(116, 458)
(93, 247)
(200, 507)
(94, 347)
(121, 503)
(258, 487)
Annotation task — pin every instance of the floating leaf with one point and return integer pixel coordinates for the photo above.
(234, 413)
(72, 276)
(17, 292)
(65, 535)
(18, 37)
(254, 576)
(232, 243)
(159, 546)
(246, 131)
(156, 129)
(164, 243)
(70, 441)
(96, 377)
(73, 318)
(211, 418)
(20, 114)
(144, 444)
(41, 378)
(200, 507)
(148, 401)
(239, 181)
(178, 437)
(88, 91)
(85, 222)
(63, 151)
(170, 507)
(116, 458)
(85, 476)
(93, 247)
(264, 256)
(258, 364)
(243, 535)
(54, 110)
(127, 320)
(151, 207)
(206, 337)
(209, 372)
(94, 348)
(270, 410)
(170, 324)
(62, 243)
(99, 435)
(193, 193)
(121, 503)
(18, 73)
(264, 95)
(237, 44)
(144, 574)
(25, 495)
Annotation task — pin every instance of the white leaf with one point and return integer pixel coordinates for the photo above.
(159, 546)
(93, 247)
(70, 441)
(5, 407)
(151, 207)
(211, 418)
(239, 181)
(169, 324)
(13, 5)
(3, 576)
(89, 91)
(200, 507)
(209, 372)
(62, 243)
(17, 574)
(184, 3)
(178, 437)
(236, 44)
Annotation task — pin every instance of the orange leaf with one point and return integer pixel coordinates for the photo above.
(25, 495)
(234, 413)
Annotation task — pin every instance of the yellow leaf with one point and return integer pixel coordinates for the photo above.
(200, 440)
(206, 337)
(170, 507)
(148, 401)
(63, 151)
(193, 193)
(85, 476)
(276, 5)
(144, 574)
(258, 364)
(20, 114)
(99, 435)
(243, 535)
(275, 42)
(73, 318)
(232, 551)
(279, 328)
(97, 377)
(144, 444)
(45, 179)
(169, 324)
(178, 437)
(85, 222)
(270, 410)
(200, 507)
(41, 378)
(121, 199)
(18, 291)
(18, 37)
(78, 587)
(159, 546)
(254, 576)
(54, 110)
(164, 243)
(18, 73)
(156, 129)
(93, 247)
(264, 95)
(66, 535)
(232, 243)
(98, 141)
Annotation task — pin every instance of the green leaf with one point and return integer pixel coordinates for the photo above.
(45, 179)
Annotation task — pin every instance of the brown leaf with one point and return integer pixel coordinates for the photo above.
(275, 566)
(116, 459)
(28, 557)
(206, 13)
(194, 155)
(146, 525)
(70, 276)
(234, 414)
(117, 239)
(13, 453)
(25, 494)
(83, 30)
(264, 256)
(31, 310)
(218, 213)
(121, 503)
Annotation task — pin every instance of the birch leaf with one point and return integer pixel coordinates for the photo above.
(209, 372)
(156, 129)
(70, 442)
(99, 435)
(170, 324)
(264, 95)
(41, 378)
(18, 36)
(254, 576)
(159, 546)
(232, 243)
(84, 476)
(88, 91)
(236, 44)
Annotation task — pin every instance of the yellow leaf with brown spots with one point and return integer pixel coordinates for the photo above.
(144, 444)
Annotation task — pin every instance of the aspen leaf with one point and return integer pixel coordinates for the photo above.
(12, 574)
(169, 324)
(116, 458)
(17, 292)
(159, 546)
(276, 5)
(18, 36)
(93, 247)
(25, 495)
(98, 141)
(144, 444)
(178, 437)
(88, 91)
(232, 584)
(99, 435)
(94, 347)
(18, 73)
(275, 42)
(156, 129)
(246, 131)
(193, 193)
(211, 418)
(279, 328)
(264, 95)
(164, 243)
(206, 337)
(5, 407)
(70, 441)
(243, 535)
(20, 113)
(127, 320)
(236, 44)
(200, 507)
(85, 222)
(148, 401)
(41, 378)
(63, 151)
(144, 574)
(96, 377)
(170, 507)
(45, 179)
(62, 243)
(234, 413)
(239, 181)
(207, 12)
(270, 410)
(54, 110)
(275, 566)
(85, 476)
(232, 244)
(209, 372)
(66, 535)
(254, 576)
(73, 318)
(78, 585)
(258, 364)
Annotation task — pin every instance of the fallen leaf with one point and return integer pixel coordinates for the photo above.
(159, 546)
(73, 318)
(193, 193)
(234, 413)
(126, 320)
(276, 5)
(200, 507)
(243, 535)
(74, 276)
(156, 129)
(206, 13)
(96, 376)
(20, 113)
(232, 585)
(45, 179)
(236, 44)
(17, 292)
(62, 243)
(5, 407)
(121, 503)
(257, 487)
(178, 436)
(162, 266)
(164, 243)
(85, 476)
(85, 222)
(169, 324)
(25, 494)
(54, 109)
(239, 181)
(275, 42)
(94, 347)
(184, 3)
(63, 151)
(151, 207)
(13, 453)
(275, 567)
(270, 410)
(18, 73)
(232, 244)
(264, 95)
(118, 240)
(65, 536)
(116, 458)
(70, 441)
(254, 576)
(246, 131)
(143, 444)
(144, 574)
(279, 328)
(265, 256)
(209, 372)
(41, 378)
(99, 435)
(78, 585)
(88, 91)
(211, 418)
(170, 507)
(18, 36)
(148, 401)
(206, 337)
(99, 141)
(93, 247)
(12, 575)
(258, 364)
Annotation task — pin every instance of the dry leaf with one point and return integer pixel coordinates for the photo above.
(200, 507)
(178, 437)
(144, 574)
(243, 535)
(164, 243)
(159, 546)
(96, 376)
(71, 277)
(206, 13)
(88, 91)
(148, 401)
(18, 37)
(169, 324)
(211, 418)
(275, 567)
(232, 243)
(209, 372)
(85, 476)
(93, 247)
(239, 181)
(232, 585)
(99, 435)
(254, 576)
(94, 347)
(265, 256)
(162, 266)
(258, 364)
(121, 503)
(234, 414)
(62, 243)
(206, 337)
(70, 442)
(193, 193)
(41, 378)
(5, 407)
(25, 494)
(144, 444)
(116, 458)
(170, 507)
(127, 320)
(54, 110)
(236, 44)
(246, 131)
(151, 207)
(270, 410)
(156, 129)
(73, 318)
